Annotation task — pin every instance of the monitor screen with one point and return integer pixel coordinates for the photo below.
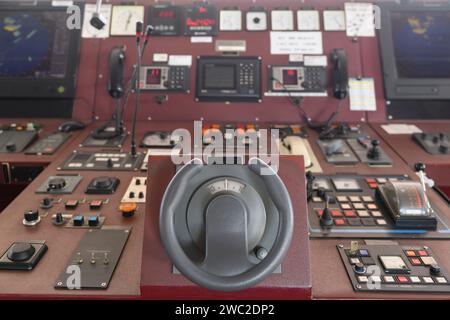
(290, 77)
(421, 43)
(34, 44)
(221, 77)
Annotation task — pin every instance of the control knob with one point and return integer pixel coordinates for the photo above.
(31, 218)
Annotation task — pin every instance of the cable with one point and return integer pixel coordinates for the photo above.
(295, 101)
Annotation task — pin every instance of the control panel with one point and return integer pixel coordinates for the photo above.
(376, 267)
(228, 79)
(165, 78)
(49, 144)
(292, 79)
(16, 141)
(346, 206)
(136, 191)
(103, 161)
(433, 143)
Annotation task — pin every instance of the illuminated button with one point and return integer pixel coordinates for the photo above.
(339, 222)
(415, 261)
(423, 253)
(381, 180)
(367, 199)
(355, 199)
(354, 222)
(415, 279)
(363, 213)
(373, 185)
(336, 213)
(317, 199)
(372, 206)
(410, 253)
(441, 280)
(319, 212)
(362, 279)
(389, 279)
(403, 279)
(345, 206)
(354, 260)
(78, 221)
(350, 213)
(428, 280)
(342, 198)
(376, 279)
(128, 209)
(376, 214)
(71, 204)
(363, 253)
(95, 204)
(381, 222)
(370, 180)
(428, 261)
(368, 222)
(359, 206)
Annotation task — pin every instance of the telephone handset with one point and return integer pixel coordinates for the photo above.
(340, 73)
(408, 204)
(293, 145)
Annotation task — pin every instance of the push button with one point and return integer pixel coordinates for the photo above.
(403, 279)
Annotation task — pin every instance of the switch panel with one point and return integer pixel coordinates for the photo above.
(337, 151)
(136, 191)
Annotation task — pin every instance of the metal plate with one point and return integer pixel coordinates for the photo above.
(72, 182)
(87, 268)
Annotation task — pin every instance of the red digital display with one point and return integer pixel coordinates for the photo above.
(154, 76)
(290, 77)
(169, 14)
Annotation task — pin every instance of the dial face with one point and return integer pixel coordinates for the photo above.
(88, 30)
(226, 184)
(124, 19)
(360, 19)
(282, 20)
(308, 20)
(230, 20)
(256, 21)
(334, 20)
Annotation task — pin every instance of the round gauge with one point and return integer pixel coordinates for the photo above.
(308, 20)
(334, 20)
(282, 20)
(226, 185)
(124, 19)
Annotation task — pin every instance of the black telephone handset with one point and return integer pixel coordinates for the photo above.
(340, 73)
(116, 72)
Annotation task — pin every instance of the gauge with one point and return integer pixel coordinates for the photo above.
(256, 20)
(124, 19)
(165, 19)
(334, 20)
(282, 20)
(230, 20)
(308, 20)
(226, 185)
(201, 20)
(88, 30)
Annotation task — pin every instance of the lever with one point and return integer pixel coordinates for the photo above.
(374, 152)
(420, 169)
(326, 218)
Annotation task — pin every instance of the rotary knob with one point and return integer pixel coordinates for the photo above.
(102, 183)
(56, 184)
(31, 218)
(21, 251)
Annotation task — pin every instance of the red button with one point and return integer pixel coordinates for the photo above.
(369, 181)
(403, 279)
(423, 253)
(319, 212)
(416, 261)
(350, 213)
(336, 213)
(339, 222)
(373, 185)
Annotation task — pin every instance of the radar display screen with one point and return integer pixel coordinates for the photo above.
(34, 44)
(421, 44)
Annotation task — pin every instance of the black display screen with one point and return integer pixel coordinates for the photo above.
(290, 77)
(421, 43)
(154, 76)
(34, 44)
(219, 77)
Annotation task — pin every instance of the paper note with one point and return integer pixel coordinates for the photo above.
(401, 128)
(180, 60)
(362, 94)
(360, 19)
(296, 42)
(316, 61)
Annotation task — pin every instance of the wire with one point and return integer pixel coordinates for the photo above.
(295, 101)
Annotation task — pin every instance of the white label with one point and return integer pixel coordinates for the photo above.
(201, 39)
(316, 61)
(362, 94)
(296, 43)
(180, 60)
(296, 58)
(88, 30)
(401, 128)
(160, 57)
(360, 19)
(62, 3)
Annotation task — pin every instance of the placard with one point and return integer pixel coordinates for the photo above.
(296, 43)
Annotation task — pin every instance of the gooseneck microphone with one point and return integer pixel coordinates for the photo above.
(139, 29)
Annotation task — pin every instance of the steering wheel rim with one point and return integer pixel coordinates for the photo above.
(279, 194)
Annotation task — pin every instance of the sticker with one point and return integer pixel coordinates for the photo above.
(362, 94)
(160, 57)
(316, 61)
(201, 39)
(296, 42)
(360, 19)
(180, 60)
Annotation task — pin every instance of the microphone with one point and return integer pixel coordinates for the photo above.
(97, 20)
(139, 29)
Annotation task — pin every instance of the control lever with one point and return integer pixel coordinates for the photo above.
(420, 170)
(326, 218)
(374, 152)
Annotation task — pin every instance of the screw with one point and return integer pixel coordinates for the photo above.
(103, 284)
(59, 284)
(358, 286)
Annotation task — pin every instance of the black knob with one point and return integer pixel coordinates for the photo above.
(374, 152)
(138, 182)
(46, 203)
(321, 192)
(56, 184)
(360, 268)
(21, 251)
(109, 163)
(435, 269)
(443, 149)
(11, 146)
(419, 167)
(102, 182)
(132, 195)
(31, 215)
(59, 219)
(256, 20)
(141, 195)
